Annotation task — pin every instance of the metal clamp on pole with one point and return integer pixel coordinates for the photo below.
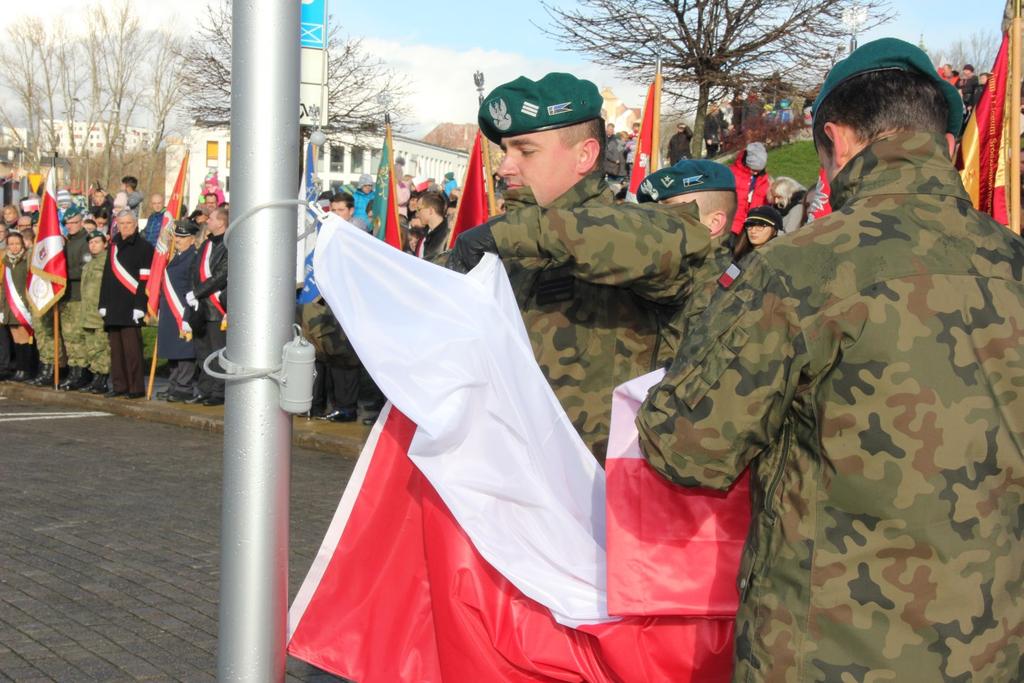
(294, 376)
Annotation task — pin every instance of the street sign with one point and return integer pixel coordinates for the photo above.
(313, 63)
(312, 87)
(313, 24)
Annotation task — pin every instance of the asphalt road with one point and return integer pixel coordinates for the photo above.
(109, 545)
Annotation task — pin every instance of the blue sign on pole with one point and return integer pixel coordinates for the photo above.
(313, 26)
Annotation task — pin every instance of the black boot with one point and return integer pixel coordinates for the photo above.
(72, 379)
(99, 384)
(84, 379)
(44, 377)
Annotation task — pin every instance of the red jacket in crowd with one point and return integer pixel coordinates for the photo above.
(751, 190)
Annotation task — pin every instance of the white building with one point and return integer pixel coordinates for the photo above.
(210, 152)
(94, 137)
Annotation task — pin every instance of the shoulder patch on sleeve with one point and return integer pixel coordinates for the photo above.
(729, 276)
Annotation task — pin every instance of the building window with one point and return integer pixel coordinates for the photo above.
(357, 160)
(227, 150)
(375, 159)
(212, 152)
(337, 159)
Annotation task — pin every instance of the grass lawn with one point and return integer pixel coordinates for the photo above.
(797, 160)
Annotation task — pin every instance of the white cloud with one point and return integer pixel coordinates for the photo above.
(441, 79)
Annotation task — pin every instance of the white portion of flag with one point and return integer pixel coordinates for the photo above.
(492, 438)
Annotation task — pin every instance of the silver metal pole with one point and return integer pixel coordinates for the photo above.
(261, 309)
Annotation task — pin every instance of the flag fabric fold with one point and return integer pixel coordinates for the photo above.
(469, 544)
(654, 524)
(645, 157)
(48, 271)
(473, 203)
(165, 242)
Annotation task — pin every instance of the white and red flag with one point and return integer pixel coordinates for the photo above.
(165, 242)
(648, 142)
(48, 270)
(469, 544)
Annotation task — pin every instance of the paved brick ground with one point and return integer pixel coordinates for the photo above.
(109, 546)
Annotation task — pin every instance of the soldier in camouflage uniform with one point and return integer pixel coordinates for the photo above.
(96, 344)
(870, 370)
(711, 188)
(588, 333)
(335, 352)
(76, 254)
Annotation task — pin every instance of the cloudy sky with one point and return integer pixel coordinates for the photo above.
(438, 45)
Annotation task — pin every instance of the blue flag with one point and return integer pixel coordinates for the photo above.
(307, 221)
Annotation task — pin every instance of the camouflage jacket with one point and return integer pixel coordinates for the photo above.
(590, 334)
(705, 282)
(870, 370)
(92, 278)
(324, 331)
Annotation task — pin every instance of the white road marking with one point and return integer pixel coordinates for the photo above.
(22, 417)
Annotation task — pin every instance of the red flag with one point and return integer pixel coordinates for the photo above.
(984, 147)
(399, 593)
(645, 157)
(162, 252)
(48, 273)
(473, 209)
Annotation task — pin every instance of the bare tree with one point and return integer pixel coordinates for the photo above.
(18, 59)
(978, 49)
(165, 77)
(119, 66)
(710, 48)
(355, 80)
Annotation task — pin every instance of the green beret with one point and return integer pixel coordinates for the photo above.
(524, 106)
(887, 54)
(685, 177)
(72, 211)
(98, 233)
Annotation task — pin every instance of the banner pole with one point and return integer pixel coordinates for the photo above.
(56, 345)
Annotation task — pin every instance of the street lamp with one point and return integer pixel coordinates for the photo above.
(478, 80)
(854, 17)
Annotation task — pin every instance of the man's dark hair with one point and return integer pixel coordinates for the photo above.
(343, 198)
(131, 181)
(435, 201)
(101, 211)
(879, 102)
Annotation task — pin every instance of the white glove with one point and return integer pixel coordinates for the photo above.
(1, 317)
(191, 300)
(137, 315)
(103, 313)
(185, 327)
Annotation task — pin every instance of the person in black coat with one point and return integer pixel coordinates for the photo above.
(208, 300)
(123, 305)
(174, 333)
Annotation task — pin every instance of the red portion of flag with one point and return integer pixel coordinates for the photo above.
(473, 209)
(653, 524)
(644, 153)
(392, 233)
(162, 252)
(404, 596)
(47, 262)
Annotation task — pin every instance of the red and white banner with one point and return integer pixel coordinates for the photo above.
(165, 242)
(645, 156)
(469, 543)
(205, 274)
(122, 274)
(48, 270)
(18, 306)
(174, 303)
